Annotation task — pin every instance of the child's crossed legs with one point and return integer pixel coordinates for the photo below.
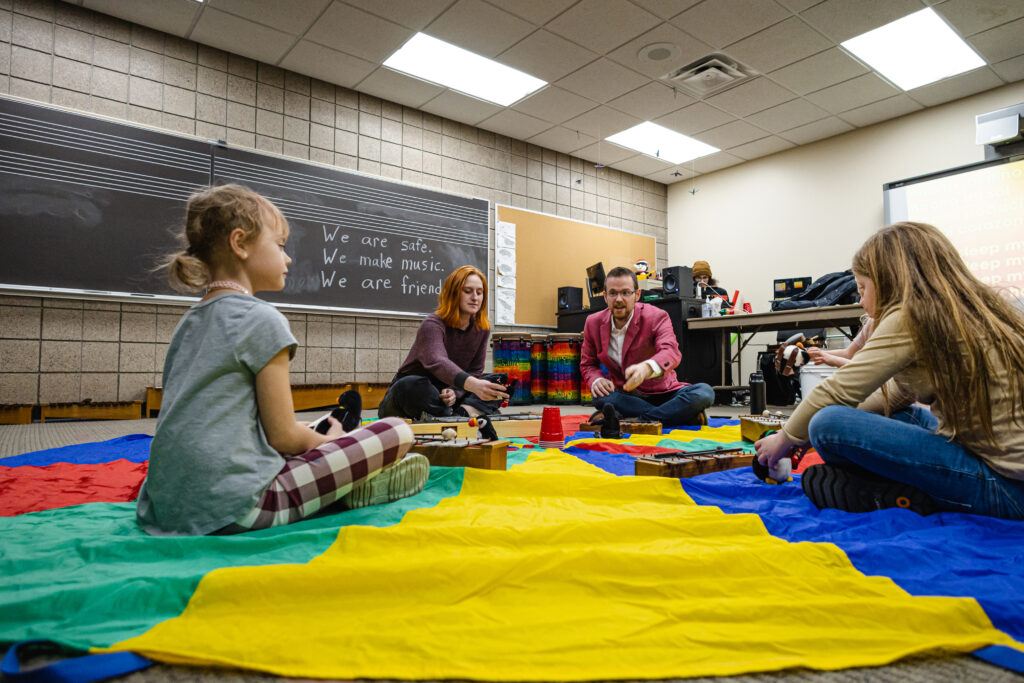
(318, 478)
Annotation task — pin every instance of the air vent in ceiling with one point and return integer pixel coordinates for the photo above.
(709, 75)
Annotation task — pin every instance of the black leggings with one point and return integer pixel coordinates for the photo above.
(413, 395)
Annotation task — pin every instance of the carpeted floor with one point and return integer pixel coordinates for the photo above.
(17, 439)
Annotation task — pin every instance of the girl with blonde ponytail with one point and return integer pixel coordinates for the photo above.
(942, 338)
(228, 455)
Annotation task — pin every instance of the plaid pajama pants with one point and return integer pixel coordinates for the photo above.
(310, 482)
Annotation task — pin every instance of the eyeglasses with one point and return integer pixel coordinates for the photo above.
(612, 294)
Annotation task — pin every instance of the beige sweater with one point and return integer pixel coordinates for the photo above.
(889, 358)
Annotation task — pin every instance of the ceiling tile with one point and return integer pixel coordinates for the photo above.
(537, 12)
(785, 116)
(355, 32)
(695, 118)
(782, 44)
(602, 80)
(949, 89)
(714, 162)
(666, 9)
(602, 25)
(731, 134)
(393, 86)
(971, 16)
(606, 153)
(651, 101)
(1011, 70)
(722, 22)
(843, 19)
(1000, 43)
(478, 27)
(290, 17)
(241, 36)
(883, 110)
(799, 5)
(747, 98)
(819, 71)
(174, 17)
(458, 107)
(327, 64)
(544, 55)
(761, 148)
(642, 164)
(554, 104)
(818, 130)
(602, 122)
(690, 50)
(514, 124)
(562, 139)
(414, 14)
(853, 93)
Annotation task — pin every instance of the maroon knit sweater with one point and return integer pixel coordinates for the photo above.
(446, 354)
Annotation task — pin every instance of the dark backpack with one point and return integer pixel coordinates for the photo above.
(827, 290)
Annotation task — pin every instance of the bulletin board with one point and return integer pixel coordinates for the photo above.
(552, 252)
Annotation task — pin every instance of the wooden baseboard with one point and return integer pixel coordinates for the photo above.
(16, 414)
(313, 396)
(115, 410)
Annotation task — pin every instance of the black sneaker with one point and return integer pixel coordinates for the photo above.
(844, 488)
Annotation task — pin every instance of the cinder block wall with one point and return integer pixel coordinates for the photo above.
(54, 350)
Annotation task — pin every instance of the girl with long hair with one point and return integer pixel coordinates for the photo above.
(943, 338)
(443, 373)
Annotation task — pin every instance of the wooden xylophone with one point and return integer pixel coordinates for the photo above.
(754, 427)
(627, 426)
(682, 464)
(462, 452)
(506, 425)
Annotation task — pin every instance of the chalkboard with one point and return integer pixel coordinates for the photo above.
(90, 206)
(360, 242)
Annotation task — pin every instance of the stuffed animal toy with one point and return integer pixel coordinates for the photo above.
(789, 358)
(643, 269)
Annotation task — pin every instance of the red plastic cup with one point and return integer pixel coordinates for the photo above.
(551, 435)
(747, 308)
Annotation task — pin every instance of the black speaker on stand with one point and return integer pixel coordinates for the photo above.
(677, 282)
(570, 298)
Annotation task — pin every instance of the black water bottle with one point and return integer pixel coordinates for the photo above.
(758, 399)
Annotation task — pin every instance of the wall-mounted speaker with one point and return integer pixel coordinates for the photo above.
(677, 281)
(570, 298)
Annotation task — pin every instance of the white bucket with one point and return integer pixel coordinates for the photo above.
(813, 375)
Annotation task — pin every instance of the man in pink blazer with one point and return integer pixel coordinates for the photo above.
(635, 342)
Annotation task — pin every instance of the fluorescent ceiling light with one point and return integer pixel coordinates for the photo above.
(445, 64)
(662, 143)
(916, 50)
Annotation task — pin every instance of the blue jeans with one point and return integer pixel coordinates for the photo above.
(905, 448)
(673, 408)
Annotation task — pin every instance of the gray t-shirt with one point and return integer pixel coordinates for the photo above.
(210, 460)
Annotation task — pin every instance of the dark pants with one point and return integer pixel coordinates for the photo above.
(672, 409)
(413, 395)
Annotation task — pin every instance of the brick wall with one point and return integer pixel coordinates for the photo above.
(54, 349)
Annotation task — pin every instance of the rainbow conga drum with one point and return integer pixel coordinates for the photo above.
(564, 368)
(511, 355)
(538, 368)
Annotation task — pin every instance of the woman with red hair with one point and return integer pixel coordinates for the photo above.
(443, 373)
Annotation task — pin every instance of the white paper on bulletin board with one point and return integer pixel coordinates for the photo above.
(505, 306)
(506, 281)
(505, 235)
(505, 261)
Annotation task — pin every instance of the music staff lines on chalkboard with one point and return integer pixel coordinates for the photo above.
(34, 166)
(346, 191)
(385, 225)
(82, 140)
